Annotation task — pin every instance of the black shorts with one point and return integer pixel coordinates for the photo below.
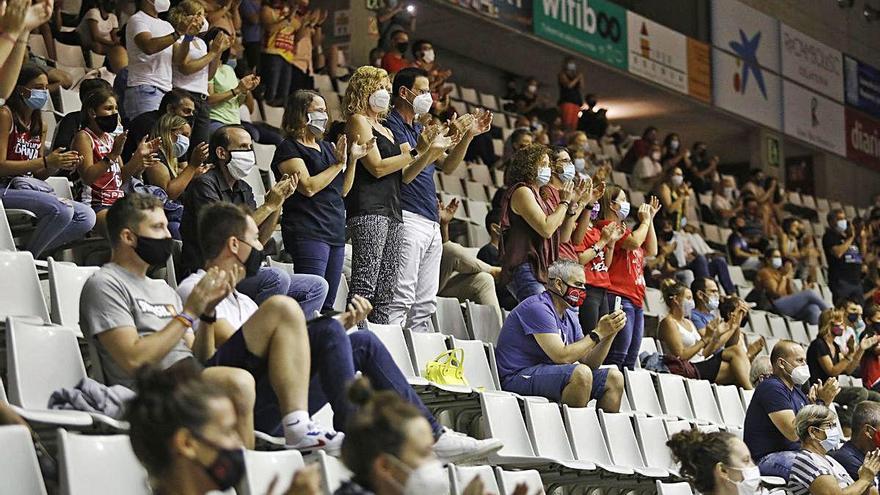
(709, 368)
(235, 354)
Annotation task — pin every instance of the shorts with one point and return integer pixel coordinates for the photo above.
(235, 354)
(548, 380)
(709, 368)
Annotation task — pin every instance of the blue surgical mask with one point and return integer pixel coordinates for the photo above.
(687, 307)
(624, 209)
(181, 145)
(713, 303)
(543, 176)
(37, 99)
(567, 173)
(580, 164)
(232, 62)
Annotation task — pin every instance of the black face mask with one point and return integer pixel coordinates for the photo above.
(227, 469)
(666, 236)
(154, 251)
(107, 123)
(402, 46)
(253, 262)
(190, 119)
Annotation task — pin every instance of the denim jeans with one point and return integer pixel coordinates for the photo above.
(523, 284)
(275, 73)
(805, 305)
(58, 221)
(625, 348)
(140, 99)
(308, 290)
(777, 463)
(335, 357)
(717, 267)
(317, 258)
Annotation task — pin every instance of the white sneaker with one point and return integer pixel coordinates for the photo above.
(459, 448)
(319, 438)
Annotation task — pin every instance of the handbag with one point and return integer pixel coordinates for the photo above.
(678, 366)
(447, 368)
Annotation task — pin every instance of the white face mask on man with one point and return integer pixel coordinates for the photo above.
(241, 163)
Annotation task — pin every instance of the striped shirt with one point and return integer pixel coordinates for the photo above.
(808, 466)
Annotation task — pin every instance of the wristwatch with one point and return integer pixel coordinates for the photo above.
(595, 336)
(413, 153)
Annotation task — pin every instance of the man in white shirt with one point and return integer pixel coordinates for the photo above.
(227, 232)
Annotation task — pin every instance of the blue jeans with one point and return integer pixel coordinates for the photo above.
(523, 283)
(805, 305)
(335, 357)
(275, 73)
(317, 258)
(308, 290)
(58, 221)
(625, 348)
(777, 463)
(717, 267)
(140, 99)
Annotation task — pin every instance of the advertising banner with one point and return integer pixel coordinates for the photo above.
(811, 63)
(513, 13)
(699, 70)
(814, 118)
(595, 28)
(862, 86)
(862, 139)
(746, 90)
(657, 52)
(750, 35)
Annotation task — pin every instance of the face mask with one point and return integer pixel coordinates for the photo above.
(585, 147)
(832, 439)
(667, 236)
(191, 120)
(571, 67)
(402, 46)
(567, 173)
(430, 477)
(422, 103)
(532, 88)
(154, 252)
(800, 375)
(377, 62)
(543, 176)
(728, 191)
(181, 145)
(241, 163)
(232, 62)
(107, 123)
(379, 100)
(624, 210)
(751, 482)
(656, 156)
(776, 262)
(37, 99)
(673, 145)
(841, 225)
(227, 469)
(713, 303)
(428, 56)
(573, 296)
(852, 317)
(687, 307)
(253, 262)
(580, 164)
(677, 180)
(162, 5)
(837, 330)
(317, 122)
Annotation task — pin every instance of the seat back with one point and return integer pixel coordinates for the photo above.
(341, 295)
(703, 401)
(746, 397)
(759, 324)
(262, 467)
(392, 337)
(731, 405)
(20, 470)
(641, 392)
(425, 347)
(673, 396)
(508, 481)
(66, 281)
(21, 294)
(621, 439)
(547, 431)
(674, 426)
(778, 327)
(652, 439)
(681, 488)
(7, 240)
(264, 154)
(99, 465)
(479, 360)
(61, 186)
(483, 322)
(505, 422)
(461, 476)
(333, 472)
(41, 360)
(450, 320)
(585, 434)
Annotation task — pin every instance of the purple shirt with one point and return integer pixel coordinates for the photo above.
(518, 349)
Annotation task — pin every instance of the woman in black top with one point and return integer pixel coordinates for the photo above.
(313, 221)
(571, 93)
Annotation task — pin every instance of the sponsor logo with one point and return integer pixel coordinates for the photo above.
(579, 15)
(747, 51)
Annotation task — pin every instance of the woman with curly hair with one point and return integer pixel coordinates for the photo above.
(717, 463)
(529, 224)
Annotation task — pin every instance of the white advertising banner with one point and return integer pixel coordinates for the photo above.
(814, 118)
(657, 53)
(811, 63)
(749, 91)
(747, 33)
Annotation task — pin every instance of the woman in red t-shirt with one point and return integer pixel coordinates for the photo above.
(562, 172)
(626, 272)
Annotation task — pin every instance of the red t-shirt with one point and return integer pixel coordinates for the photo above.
(870, 370)
(596, 271)
(551, 196)
(627, 270)
(392, 63)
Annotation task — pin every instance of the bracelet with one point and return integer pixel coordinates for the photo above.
(208, 319)
(188, 38)
(566, 203)
(233, 92)
(187, 320)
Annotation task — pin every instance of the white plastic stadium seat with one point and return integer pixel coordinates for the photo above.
(20, 294)
(333, 472)
(20, 470)
(66, 281)
(587, 439)
(652, 438)
(673, 396)
(461, 476)
(505, 422)
(623, 445)
(392, 337)
(262, 467)
(640, 390)
(548, 435)
(731, 405)
(508, 481)
(450, 320)
(479, 364)
(703, 401)
(681, 488)
(99, 465)
(483, 322)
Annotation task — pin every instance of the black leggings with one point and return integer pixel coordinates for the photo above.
(595, 306)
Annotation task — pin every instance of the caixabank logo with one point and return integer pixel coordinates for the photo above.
(746, 49)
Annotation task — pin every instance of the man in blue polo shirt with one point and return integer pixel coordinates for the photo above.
(418, 275)
(769, 429)
(865, 437)
(542, 350)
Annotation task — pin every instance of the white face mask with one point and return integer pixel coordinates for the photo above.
(571, 67)
(580, 164)
(317, 123)
(713, 303)
(422, 103)
(687, 307)
(841, 225)
(241, 163)
(181, 145)
(379, 100)
(162, 5)
(430, 477)
(533, 89)
(751, 482)
(800, 375)
(776, 262)
(677, 180)
(832, 439)
(624, 210)
(728, 191)
(428, 56)
(543, 176)
(673, 145)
